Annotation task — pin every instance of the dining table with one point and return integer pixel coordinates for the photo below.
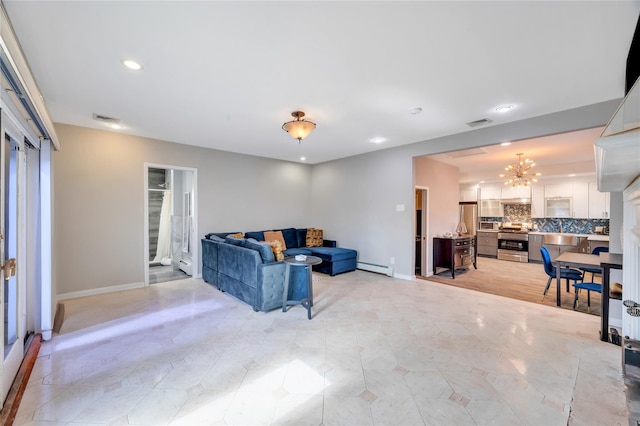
(604, 261)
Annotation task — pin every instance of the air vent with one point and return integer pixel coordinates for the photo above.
(105, 119)
(480, 122)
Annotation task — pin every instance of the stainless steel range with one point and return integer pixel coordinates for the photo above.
(513, 245)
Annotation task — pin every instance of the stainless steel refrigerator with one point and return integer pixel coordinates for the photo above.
(469, 216)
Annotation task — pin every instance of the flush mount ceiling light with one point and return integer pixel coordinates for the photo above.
(504, 108)
(517, 173)
(298, 128)
(131, 64)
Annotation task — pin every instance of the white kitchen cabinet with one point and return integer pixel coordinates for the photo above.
(560, 190)
(491, 191)
(580, 200)
(491, 208)
(598, 202)
(468, 194)
(509, 192)
(537, 201)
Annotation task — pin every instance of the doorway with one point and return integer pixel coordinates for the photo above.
(421, 231)
(170, 223)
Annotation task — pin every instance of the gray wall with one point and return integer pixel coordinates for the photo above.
(99, 201)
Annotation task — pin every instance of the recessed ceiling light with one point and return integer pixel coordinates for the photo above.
(504, 108)
(572, 175)
(415, 111)
(131, 64)
(303, 158)
(115, 126)
(377, 140)
(505, 144)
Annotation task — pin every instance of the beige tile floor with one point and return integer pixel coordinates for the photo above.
(378, 351)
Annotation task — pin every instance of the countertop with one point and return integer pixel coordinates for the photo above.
(590, 237)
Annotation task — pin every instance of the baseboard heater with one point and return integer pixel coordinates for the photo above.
(186, 267)
(372, 267)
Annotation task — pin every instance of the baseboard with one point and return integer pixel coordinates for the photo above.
(404, 277)
(101, 290)
(58, 319)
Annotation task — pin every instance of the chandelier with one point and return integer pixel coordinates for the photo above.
(516, 174)
(298, 128)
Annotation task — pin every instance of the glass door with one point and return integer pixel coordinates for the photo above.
(12, 294)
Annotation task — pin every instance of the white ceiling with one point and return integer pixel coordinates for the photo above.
(226, 75)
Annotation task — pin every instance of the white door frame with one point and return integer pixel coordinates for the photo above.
(424, 250)
(195, 245)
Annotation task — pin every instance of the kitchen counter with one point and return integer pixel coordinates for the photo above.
(590, 237)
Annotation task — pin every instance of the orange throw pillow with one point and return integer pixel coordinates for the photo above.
(275, 236)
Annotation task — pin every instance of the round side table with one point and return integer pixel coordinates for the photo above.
(307, 301)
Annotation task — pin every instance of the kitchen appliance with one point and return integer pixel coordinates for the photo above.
(469, 216)
(489, 226)
(513, 242)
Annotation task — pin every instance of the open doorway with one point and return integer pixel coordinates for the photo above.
(169, 223)
(421, 223)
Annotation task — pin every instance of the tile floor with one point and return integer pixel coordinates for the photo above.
(378, 351)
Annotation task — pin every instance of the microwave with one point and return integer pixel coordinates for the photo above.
(489, 226)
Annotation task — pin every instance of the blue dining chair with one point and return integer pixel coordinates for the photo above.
(550, 270)
(593, 270)
(585, 286)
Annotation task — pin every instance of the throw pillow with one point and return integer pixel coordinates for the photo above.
(236, 235)
(276, 246)
(266, 253)
(314, 237)
(275, 236)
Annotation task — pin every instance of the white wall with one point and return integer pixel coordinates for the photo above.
(99, 201)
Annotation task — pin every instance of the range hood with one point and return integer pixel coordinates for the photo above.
(617, 152)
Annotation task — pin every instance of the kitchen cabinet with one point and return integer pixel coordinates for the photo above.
(491, 208)
(558, 207)
(537, 201)
(454, 253)
(535, 244)
(560, 190)
(487, 244)
(491, 191)
(510, 192)
(468, 194)
(598, 202)
(580, 200)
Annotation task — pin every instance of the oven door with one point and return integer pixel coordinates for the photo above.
(513, 245)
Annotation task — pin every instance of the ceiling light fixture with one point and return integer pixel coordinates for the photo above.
(131, 64)
(505, 108)
(298, 128)
(516, 174)
(505, 144)
(377, 140)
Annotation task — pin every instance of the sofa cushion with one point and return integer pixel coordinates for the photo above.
(302, 237)
(276, 247)
(314, 237)
(215, 238)
(333, 254)
(263, 248)
(275, 236)
(235, 241)
(256, 235)
(290, 236)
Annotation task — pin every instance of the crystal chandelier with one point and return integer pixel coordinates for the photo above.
(516, 174)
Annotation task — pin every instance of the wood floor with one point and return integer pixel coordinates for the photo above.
(522, 281)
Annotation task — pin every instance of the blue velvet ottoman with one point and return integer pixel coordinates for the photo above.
(334, 260)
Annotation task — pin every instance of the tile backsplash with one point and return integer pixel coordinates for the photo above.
(522, 213)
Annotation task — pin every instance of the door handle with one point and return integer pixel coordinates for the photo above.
(9, 268)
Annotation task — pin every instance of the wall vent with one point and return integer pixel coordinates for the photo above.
(105, 119)
(480, 122)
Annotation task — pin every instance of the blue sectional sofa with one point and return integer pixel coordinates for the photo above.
(246, 267)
